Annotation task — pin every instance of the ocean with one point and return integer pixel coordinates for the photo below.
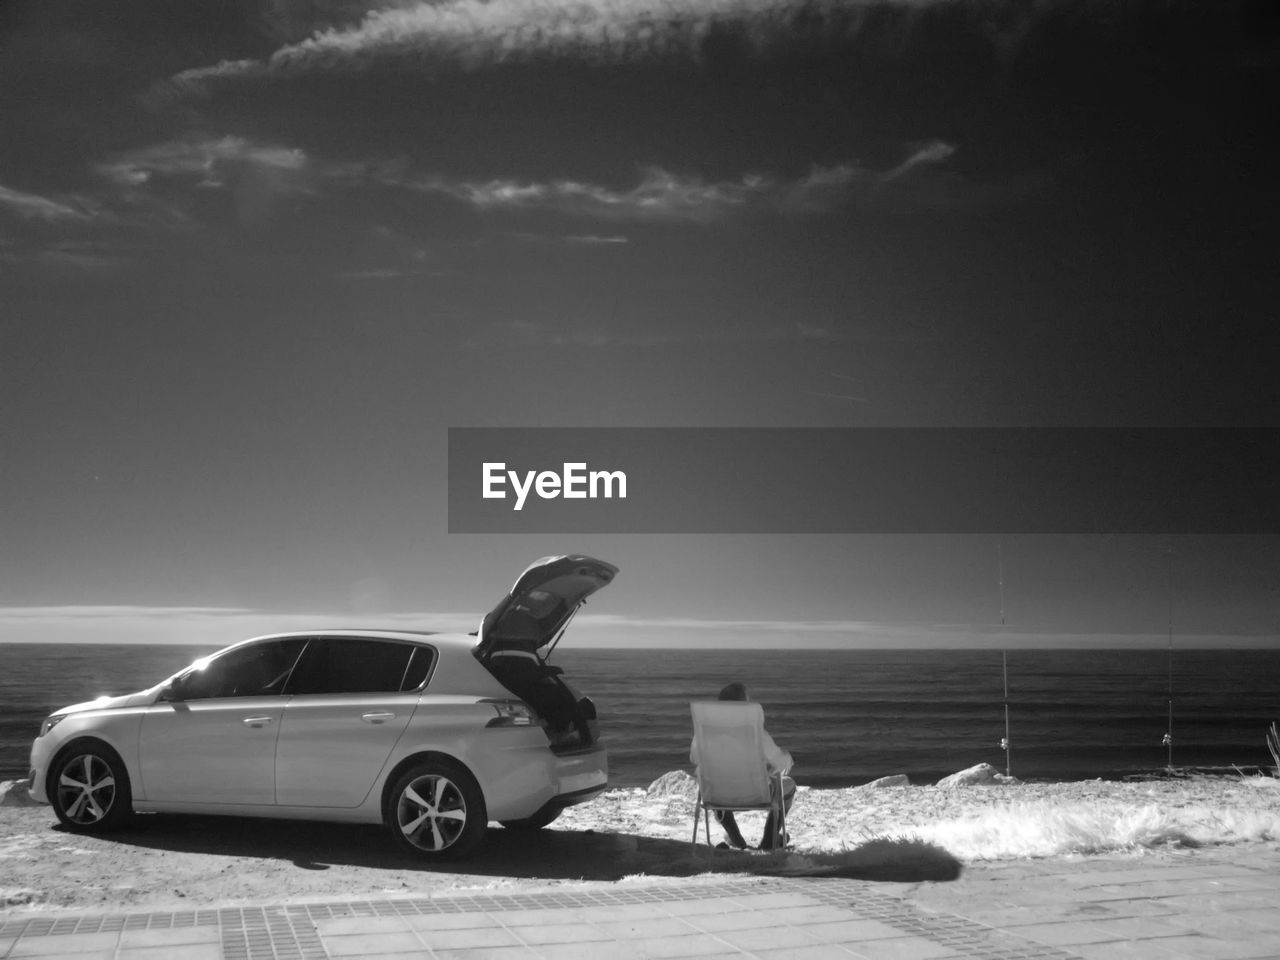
(847, 716)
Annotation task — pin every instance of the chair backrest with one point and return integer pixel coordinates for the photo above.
(729, 736)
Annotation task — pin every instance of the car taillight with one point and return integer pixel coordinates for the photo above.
(511, 713)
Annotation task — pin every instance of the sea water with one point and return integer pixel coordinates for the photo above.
(847, 716)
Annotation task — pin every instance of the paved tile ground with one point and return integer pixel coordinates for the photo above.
(1194, 905)
(1204, 907)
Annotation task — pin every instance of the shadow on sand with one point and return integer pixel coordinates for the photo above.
(549, 854)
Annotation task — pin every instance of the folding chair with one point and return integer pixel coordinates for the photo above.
(732, 772)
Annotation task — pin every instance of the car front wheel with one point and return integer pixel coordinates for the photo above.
(90, 789)
(436, 810)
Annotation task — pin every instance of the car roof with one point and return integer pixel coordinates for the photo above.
(461, 641)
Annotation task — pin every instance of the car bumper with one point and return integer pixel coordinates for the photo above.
(581, 778)
(564, 800)
(36, 776)
(527, 777)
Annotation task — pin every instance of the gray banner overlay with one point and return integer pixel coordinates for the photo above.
(869, 480)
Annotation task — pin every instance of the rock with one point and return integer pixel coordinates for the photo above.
(14, 793)
(675, 783)
(981, 775)
(897, 780)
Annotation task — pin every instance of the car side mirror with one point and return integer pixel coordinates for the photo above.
(171, 692)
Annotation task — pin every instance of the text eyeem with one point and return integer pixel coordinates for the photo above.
(574, 482)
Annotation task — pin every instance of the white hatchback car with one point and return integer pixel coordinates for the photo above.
(432, 734)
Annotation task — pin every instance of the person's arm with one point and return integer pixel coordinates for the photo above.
(777, 759)
(693, 751)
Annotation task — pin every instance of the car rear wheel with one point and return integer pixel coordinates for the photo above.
(536, 822)
(90, 789)
(436, 810)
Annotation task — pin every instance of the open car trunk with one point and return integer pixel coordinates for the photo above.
(518, 636)
(568, 717)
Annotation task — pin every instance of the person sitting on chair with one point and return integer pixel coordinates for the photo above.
(777, 760)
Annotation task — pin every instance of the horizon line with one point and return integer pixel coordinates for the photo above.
(1246, 642)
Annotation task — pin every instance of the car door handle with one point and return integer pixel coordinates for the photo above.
(256, 721)
(377, 717)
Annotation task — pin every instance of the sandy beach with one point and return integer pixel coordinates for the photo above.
(901, 833)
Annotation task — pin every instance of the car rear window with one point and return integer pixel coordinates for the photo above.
(350, 665)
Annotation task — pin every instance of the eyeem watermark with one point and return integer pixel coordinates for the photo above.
(873, 480)
(574, 482)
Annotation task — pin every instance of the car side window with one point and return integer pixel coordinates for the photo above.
(258, 670)
(352, 665)
(419, 668)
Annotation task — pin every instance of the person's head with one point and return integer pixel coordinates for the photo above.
(734, 691)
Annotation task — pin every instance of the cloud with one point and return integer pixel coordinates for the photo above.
(435, 35)
(112, 612)
(210, 626)
(219, 626)
(212, 163)
(664, 197)
(262, 176)
(475, 33)
(147, 198)
(62, 234)
(935, 151)
(259, 177)
(660, 196)
(31, 206)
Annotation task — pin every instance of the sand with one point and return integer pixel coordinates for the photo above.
(624, 836)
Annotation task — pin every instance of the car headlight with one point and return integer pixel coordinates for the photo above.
(50, 723)
(511, 713)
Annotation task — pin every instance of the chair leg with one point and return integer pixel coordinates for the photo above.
(697, 812)
(776, 832)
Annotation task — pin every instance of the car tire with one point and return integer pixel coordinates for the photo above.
(436, 810)
(89, 788)
(539, 820)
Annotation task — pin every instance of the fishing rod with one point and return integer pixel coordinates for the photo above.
(1167, 740)
(1004, 667)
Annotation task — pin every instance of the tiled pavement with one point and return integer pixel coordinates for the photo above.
(1203, 907)
(1195, 905)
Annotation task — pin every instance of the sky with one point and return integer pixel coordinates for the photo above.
(257, 257)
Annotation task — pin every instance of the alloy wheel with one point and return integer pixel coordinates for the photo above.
(432, 813)
(86, 789)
